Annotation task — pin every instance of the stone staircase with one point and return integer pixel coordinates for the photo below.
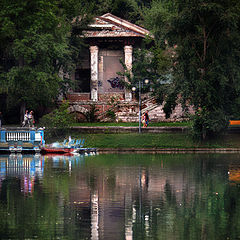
(156, 113)
(155, 110)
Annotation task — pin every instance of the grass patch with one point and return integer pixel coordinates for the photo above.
(149, 140)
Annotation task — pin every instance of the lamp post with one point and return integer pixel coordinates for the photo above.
(140, 85)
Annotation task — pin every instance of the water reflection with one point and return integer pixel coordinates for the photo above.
(28, 167)
(120, 197)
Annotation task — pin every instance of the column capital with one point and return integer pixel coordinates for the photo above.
(128, 49)
(93, 49)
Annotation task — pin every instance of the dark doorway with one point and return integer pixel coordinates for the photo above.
(82, 80)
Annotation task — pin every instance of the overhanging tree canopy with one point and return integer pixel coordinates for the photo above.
(206, 70)
(36, 45)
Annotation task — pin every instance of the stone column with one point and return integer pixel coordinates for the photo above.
(94, 72)
(128, 49)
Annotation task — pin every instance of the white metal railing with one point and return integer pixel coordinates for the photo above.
(17, 136)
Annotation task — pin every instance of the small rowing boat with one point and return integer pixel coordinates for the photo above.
(46, 150)
(71, 146)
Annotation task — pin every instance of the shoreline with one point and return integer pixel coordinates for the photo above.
(168, 150)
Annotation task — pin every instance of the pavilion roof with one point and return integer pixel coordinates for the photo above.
(108, 25)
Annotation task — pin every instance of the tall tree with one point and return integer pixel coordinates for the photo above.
(152, 63)
(206, 70)
(35, 46)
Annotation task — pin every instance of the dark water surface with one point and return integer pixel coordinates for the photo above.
(125, 196)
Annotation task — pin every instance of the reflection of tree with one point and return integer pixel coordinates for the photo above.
(170, 196)
(232, 207)
(46, 214)
(26, 217)
(212, 213)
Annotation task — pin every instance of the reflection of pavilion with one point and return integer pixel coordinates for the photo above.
(118, 198)
(29, 167)
(17, 165)
(24, 167)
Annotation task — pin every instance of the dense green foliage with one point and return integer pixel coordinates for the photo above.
(208, 61)
(91, 115)
(205, 36)
(131, 10)
(36, 44)
(58, 121)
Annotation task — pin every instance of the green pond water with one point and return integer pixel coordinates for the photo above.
(120, 196)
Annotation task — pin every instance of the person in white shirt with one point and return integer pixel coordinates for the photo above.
(25, 120)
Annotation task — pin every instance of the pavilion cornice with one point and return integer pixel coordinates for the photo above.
(122, 40)
(109, 34)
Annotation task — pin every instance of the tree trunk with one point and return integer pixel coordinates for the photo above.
(22, 111)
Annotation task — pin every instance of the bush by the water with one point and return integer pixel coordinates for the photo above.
(58, 121)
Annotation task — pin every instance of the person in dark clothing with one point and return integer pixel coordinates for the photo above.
(146, 118)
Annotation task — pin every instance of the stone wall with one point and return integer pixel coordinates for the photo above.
(113, 106)
(78, 97)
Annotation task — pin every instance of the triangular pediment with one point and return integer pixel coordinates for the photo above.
(109, 25)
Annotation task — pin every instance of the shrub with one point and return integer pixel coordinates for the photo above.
(208, 124)
(58, 121)
(114, 105)
(91, 115)
(111, 114)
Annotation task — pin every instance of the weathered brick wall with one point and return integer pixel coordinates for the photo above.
(124, 111)
(106, 97)
(77, 97)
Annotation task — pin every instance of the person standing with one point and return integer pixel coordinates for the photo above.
(31, 119)
(146, 118)
(25, 119)
(1, 119)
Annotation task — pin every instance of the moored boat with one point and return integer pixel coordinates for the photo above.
(59, 150)
(70, 146)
